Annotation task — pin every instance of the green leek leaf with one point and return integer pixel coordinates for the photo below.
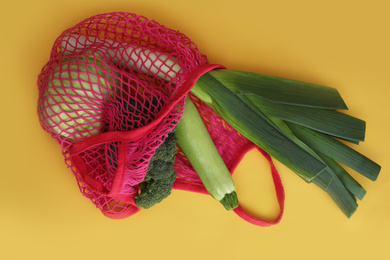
(337, 150)
(328, 181)
(280, 90)
(348, 181)
(323, 120)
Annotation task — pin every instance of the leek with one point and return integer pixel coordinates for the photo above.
(290, 121)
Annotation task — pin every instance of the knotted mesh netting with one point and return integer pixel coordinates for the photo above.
(111, 92)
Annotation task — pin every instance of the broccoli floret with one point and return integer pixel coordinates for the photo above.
(160, 176)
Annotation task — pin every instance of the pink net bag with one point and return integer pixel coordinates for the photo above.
(119, 65)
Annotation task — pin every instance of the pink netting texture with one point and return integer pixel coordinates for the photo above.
(114, 73)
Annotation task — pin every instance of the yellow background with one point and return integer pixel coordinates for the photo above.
(338, 43)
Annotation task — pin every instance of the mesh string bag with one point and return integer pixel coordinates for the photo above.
(117, 66)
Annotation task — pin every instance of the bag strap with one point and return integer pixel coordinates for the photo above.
(182, 184)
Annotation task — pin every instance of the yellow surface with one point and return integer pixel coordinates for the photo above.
(343, 44)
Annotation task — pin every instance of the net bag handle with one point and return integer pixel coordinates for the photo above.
(181, 184)
(280, 195)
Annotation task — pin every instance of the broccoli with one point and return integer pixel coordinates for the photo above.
(161, 175)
